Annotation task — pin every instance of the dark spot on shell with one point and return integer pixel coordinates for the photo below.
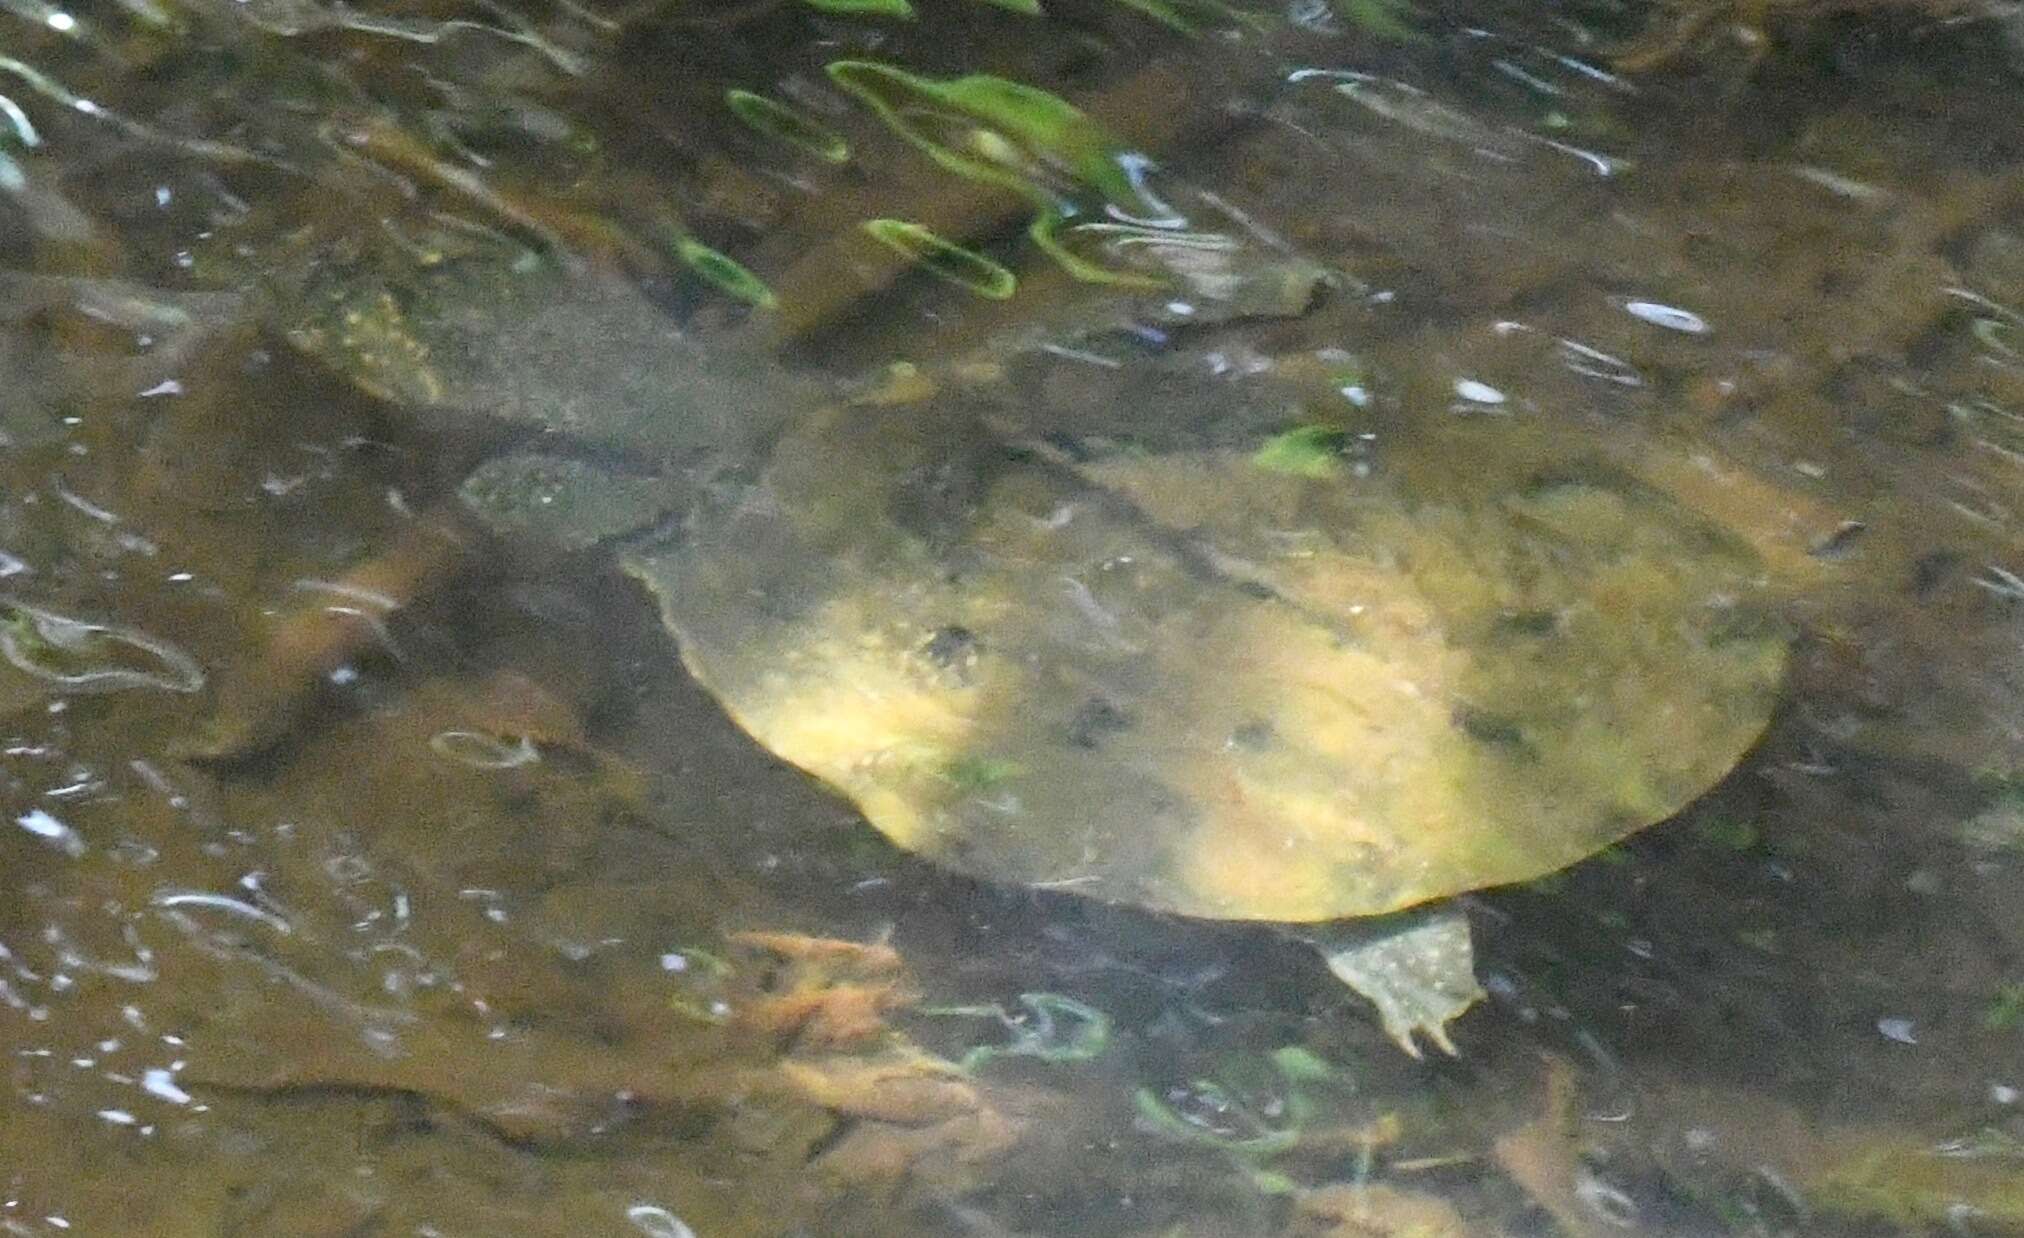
(1487, 728)
(1096, 722)
(1254, 736)
(1528, 623)
(1743, 623)
(949, 646)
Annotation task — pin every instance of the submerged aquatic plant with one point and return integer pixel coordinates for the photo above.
(778, 120)
(975, 772)
(945, 259)
(1053, 1029)
(864, 8)
(725, 272)
(1017, 137)
(2000, 824)
(1191, 16)
(1304, 451)
(1387, 19)
(1253, 1110)
(2006, 1010)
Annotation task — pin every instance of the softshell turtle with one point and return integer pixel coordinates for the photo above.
(1170, 674)
(1184, 681)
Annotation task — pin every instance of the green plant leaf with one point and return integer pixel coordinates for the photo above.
(725, 272)
(999, 131)
(777, 120)
(947, 260)
(1383, 18)
(864, 8)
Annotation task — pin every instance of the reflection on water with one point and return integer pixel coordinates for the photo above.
(1380, 432)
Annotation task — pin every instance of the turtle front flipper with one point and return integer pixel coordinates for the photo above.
(1416, 967)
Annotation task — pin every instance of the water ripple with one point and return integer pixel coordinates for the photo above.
(62, 650)
(657, 1222)
(206, 900)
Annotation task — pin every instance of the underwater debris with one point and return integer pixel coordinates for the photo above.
(1373, 1211)
(822, 992)
(944, 1159)
(260, 701)
(1683, 31)
(903, 1085)
(1542, 1156)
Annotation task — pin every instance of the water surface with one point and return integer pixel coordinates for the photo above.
(365, 876)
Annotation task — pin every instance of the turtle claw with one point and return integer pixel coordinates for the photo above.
(1418, 970)
(1406, 1024)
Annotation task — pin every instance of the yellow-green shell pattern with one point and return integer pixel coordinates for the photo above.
(1184, 681)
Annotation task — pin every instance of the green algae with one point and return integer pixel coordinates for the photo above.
(1304, 451)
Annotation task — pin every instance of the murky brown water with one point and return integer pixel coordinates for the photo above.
(361, 874)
